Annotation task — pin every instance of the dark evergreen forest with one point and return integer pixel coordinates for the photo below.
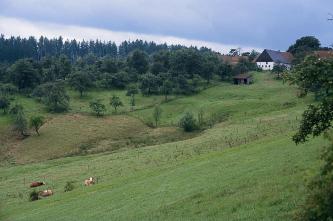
(15, 48)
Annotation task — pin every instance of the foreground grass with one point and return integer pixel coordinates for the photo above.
(260, 181)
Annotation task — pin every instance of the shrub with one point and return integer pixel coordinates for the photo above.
(69, 186)
(15, 109)
(201, 120)
(150, 123)
(188, 122)
(53, 95)
(8, 89)
(4, 103)
(97, 107)
(85, 147)
(21, 123)
(33, 196)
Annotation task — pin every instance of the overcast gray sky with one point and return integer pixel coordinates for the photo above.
(218, 24)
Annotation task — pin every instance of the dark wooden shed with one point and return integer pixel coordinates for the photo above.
(243, 79)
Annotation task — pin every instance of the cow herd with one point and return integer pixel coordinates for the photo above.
(49, 192)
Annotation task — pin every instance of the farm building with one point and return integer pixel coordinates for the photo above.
(268, 58)
(243, 79)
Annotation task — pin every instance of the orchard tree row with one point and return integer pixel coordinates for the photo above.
(182, 71)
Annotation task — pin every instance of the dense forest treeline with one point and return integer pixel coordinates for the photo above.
(15, 48)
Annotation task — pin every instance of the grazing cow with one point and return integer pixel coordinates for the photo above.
(89, 182)
(46, 193)
(36, 184)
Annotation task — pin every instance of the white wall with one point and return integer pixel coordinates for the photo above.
(266, 66)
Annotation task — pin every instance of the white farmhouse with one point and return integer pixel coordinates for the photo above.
(268, 58)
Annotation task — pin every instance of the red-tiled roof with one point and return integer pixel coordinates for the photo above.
(324, 54)
(287, 56)
(232, 59)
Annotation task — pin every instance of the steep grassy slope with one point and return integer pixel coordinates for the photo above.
(245, 168)
(73, 134)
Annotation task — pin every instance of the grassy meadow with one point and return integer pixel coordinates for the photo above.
(243, 168)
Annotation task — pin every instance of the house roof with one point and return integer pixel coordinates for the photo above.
(242, 76)
(232, 59)
(324, 54)
(275, 56)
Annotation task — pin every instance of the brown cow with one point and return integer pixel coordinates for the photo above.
(46, 193)
(36, 184)
(89, 182)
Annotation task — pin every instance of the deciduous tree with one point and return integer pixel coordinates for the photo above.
(97, 107)
(304, 44)
(36, 122)
(139, 61)
(115, 102)
(80, 81)
(167, 88)
(132, 90)
(315, 75)
(157, 114)
(149, 84)
(24, 75)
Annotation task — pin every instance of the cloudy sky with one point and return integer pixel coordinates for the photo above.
(219, 24)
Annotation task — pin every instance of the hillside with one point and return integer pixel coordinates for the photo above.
(244, 168)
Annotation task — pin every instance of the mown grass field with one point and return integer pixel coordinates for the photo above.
(244, 168)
